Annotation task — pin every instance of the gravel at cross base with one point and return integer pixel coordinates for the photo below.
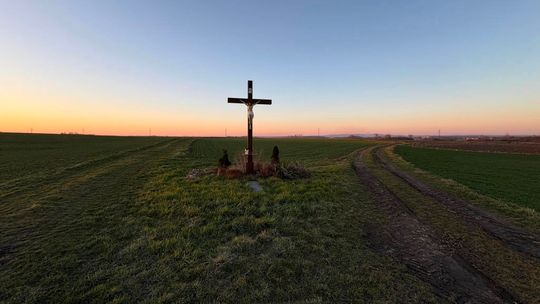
(513, 236)
(255, 186)
(417, 246)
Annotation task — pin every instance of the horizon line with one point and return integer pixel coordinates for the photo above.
(336, 135)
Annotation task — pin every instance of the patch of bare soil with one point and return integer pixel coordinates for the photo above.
(417, 246)
(514, 237)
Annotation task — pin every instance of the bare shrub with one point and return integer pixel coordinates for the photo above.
(234, 173)
(239, 160)
(267, 170)
(293, 170)
(258, 166)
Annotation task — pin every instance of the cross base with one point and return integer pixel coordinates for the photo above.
(250, 169)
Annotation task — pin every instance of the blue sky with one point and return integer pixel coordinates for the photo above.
(342, 66)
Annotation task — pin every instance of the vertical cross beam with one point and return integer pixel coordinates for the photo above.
(249, 163)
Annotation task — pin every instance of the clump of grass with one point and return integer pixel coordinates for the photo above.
(292, 170)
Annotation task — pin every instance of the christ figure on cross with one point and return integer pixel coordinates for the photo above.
(250, 102)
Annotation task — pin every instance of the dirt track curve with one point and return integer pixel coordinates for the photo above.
(417, 245)
(512, 236)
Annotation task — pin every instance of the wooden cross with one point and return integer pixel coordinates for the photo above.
(250, 102)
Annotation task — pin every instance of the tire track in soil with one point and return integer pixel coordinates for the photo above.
(13, 187)
(415, 244)
(516, 238)
(88, 176)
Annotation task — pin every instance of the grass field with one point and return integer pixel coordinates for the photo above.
(27, 154)
(115, 220)
(308, 150)
(511, 177)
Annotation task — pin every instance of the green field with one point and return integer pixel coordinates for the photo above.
(112, 219)
(308, 150)
(513, 178)
(26, 154)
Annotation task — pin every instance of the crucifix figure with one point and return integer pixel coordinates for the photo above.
(250, 102)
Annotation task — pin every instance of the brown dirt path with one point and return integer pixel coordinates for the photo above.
(416, 244)
(513, 236)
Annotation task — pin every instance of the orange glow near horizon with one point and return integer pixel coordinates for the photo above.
(54, 113)
(116, 122)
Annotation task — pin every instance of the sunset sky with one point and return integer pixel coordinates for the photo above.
(400, 67)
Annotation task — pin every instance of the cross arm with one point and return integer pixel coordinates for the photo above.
(246, 101)
(236, 100)
(262, 101)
